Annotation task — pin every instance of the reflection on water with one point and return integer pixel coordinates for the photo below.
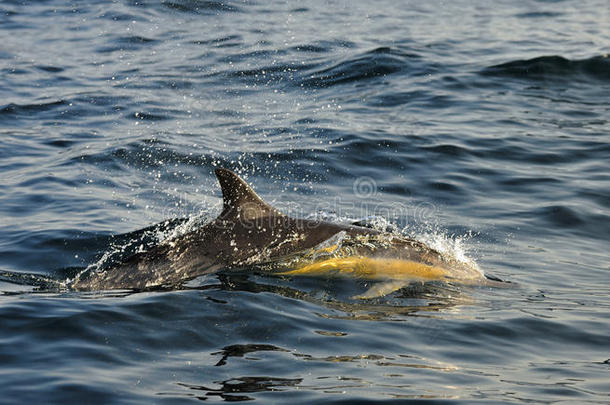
(338, 296)
(229, 390)
(332, 293)
(241, 350)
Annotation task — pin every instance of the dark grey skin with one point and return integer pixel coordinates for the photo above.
(247, 232)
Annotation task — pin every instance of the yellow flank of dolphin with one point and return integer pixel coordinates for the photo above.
(371, 268)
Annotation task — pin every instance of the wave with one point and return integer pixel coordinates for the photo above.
(378, 62)
(26, 109)
(79, 106)
(127, 43)
(554, 68)
(320, 71)
(200, 7)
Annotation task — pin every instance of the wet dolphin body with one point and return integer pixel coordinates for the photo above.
(250, 232)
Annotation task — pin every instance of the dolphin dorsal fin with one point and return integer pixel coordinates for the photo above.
(239, 199)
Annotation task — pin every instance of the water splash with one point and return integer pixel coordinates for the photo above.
(453, 246)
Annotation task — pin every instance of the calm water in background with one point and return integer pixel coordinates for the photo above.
(479, 127)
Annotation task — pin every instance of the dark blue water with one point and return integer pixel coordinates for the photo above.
(479, 127)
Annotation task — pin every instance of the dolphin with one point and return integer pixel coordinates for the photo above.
(249, 233)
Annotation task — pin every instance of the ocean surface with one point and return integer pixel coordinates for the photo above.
(481, 128)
